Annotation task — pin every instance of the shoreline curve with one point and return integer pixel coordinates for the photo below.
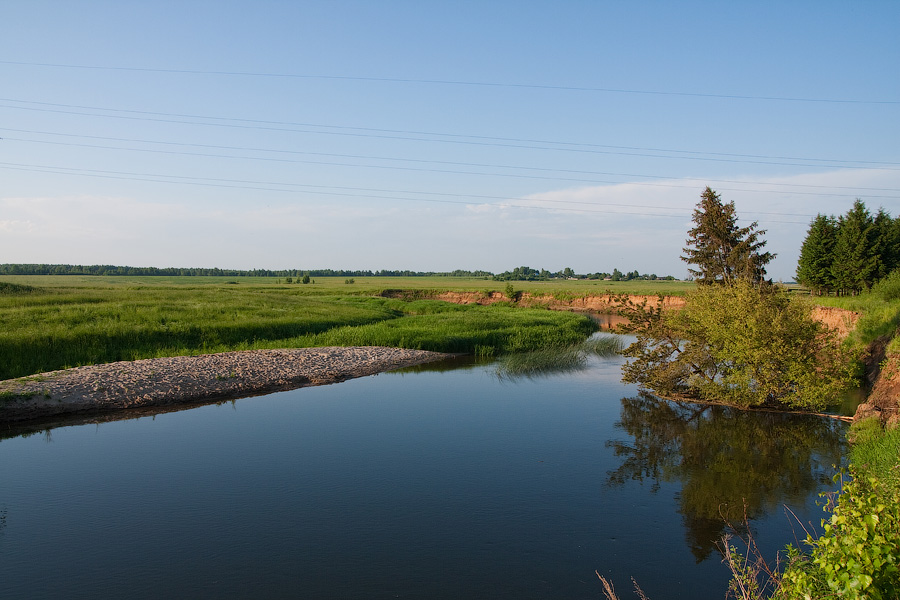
(185, 380)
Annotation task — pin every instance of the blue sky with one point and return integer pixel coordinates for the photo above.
(435, 135)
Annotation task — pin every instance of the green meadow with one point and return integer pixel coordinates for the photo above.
(54, 322)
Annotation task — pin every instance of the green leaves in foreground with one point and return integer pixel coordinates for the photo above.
(857, 556)
(738, 344)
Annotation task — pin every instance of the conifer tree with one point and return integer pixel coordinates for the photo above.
(855, 263)
(886, 243)
(817, 255)
(723, 252)
(894, 236)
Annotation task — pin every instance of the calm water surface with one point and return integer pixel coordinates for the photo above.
(430, 484)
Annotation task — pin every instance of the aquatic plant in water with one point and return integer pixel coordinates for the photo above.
(554, 360)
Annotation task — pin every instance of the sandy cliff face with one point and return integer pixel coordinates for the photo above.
(844, 321)
(597, 303)
(837, 318)
(884, 399)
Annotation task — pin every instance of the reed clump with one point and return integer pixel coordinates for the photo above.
(550, 360)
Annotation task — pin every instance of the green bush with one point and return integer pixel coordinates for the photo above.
(888, 288)
(857, 556)
(739, 344)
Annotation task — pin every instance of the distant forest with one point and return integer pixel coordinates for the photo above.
(517, 274)
(113, 270)
(529, 274)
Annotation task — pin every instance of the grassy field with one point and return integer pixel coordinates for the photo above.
(52, 322)
(330, 286)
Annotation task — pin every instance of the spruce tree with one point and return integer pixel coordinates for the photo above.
(894, 256)
(723, 252)
(855, 264)
(886, 243)
(817, 254)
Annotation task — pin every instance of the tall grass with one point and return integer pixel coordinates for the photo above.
(61, 328)
(15, 289)
(94, 321)
(876, 453)
(464, 329)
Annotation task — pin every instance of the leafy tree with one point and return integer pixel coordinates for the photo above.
(722, 251)
(740, 344)
(817, 255)
(855, 263)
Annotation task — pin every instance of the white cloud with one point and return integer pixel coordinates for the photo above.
(12, 226)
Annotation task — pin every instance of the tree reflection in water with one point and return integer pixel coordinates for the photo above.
(724, 458)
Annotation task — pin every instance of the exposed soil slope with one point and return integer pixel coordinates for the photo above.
(884, 400)
(837, 318)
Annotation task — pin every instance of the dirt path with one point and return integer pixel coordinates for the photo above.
(193, 379)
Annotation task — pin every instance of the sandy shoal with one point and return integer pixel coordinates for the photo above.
(193, 379)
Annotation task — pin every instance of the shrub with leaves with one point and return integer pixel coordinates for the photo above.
(888, 289)
(739, 344)
(857, 556)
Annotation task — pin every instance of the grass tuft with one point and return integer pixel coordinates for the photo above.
(875, 452)
(557, 359)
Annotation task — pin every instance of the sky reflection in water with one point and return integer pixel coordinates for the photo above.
(427, 483)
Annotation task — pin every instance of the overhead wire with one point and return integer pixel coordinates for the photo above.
(402, 135)
(330, 190)
(441, 134)
(456, 82)
(435, 137)
(451, 171)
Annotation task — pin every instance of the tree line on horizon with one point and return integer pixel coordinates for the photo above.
(114, 270)
(848, 254)
(517, 274)
(529, 274)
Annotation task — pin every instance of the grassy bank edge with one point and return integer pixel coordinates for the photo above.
(90, 321)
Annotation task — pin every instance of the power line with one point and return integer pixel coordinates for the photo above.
(577, 150)
(444, 171)
(452, 82)
(459, 138)
(345, 191)
(423, 161)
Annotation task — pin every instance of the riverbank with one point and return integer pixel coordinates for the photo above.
(193, 379)
(840, 319)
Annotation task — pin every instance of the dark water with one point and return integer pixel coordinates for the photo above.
(433, 484)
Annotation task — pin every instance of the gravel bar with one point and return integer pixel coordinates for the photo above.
(193, 379)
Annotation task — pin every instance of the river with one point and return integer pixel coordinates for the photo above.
(446, 481)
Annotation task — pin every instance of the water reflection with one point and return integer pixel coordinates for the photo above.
(724, 458)
(557, 361)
